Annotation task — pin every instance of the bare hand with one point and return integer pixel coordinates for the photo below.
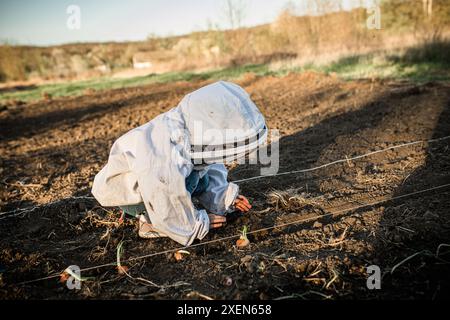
(242, 204)
(216, 221)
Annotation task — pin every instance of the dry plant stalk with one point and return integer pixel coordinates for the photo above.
(290, 199)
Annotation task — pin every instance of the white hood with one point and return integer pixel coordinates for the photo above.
(223, 123)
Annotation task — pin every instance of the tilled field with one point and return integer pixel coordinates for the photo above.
(51, 150)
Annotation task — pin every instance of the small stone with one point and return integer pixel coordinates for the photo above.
(228, 281)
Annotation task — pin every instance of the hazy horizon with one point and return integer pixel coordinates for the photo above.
(44, 22)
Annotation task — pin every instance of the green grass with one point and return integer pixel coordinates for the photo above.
(427, 63)
(78, 87)
(383, 67)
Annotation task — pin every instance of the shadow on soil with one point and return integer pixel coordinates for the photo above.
(392, 118)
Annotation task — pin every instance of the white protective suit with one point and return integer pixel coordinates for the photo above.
(149, 164)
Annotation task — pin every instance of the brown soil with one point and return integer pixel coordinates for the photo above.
(51, 151)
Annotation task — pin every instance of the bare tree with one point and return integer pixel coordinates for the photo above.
(428, 7)
(234, 12)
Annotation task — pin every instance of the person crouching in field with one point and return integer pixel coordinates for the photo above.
(154, 171)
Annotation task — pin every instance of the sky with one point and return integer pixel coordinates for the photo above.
(44, 22)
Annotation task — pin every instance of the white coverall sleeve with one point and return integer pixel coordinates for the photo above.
(220, 194)
(162, 187)
(170, 208)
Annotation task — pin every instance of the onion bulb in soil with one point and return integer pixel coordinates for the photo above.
(179, 255)
(122, 269)
(243, 241)
(63, 277)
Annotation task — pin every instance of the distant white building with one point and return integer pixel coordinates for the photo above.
(141, 60)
